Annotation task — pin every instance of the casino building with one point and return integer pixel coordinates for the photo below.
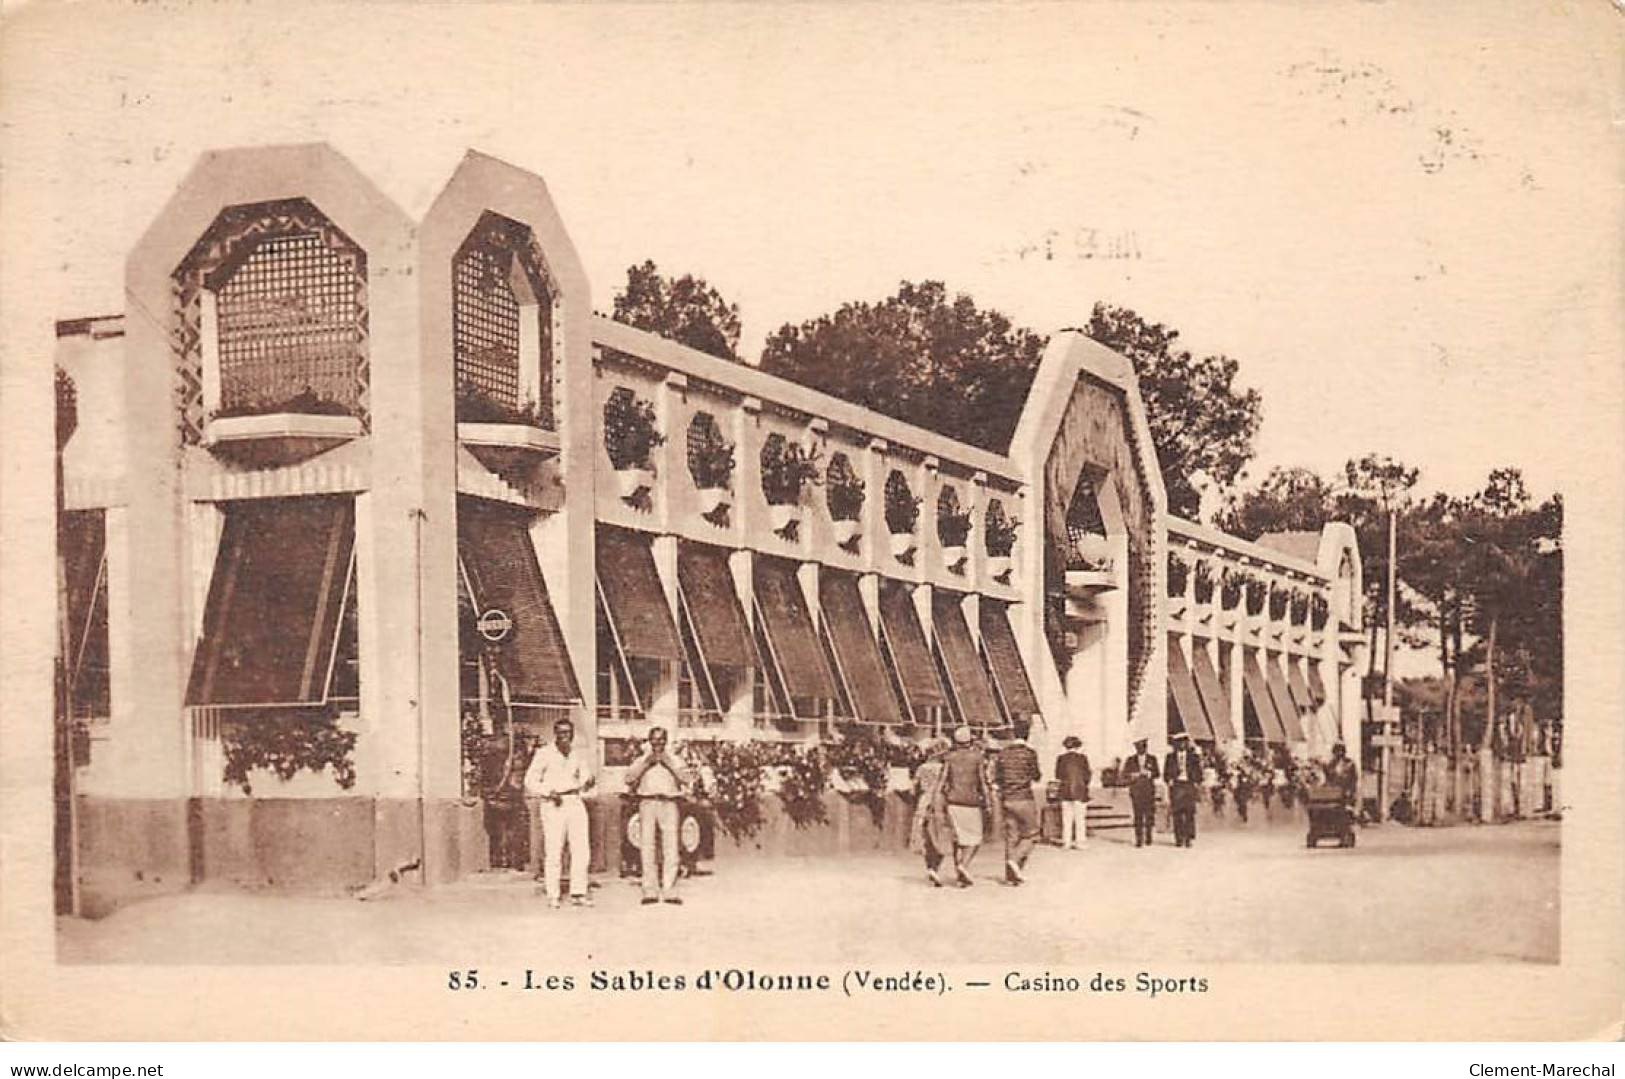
(328, 450)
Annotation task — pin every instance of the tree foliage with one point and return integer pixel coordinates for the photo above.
(937, 362)
(1200, 419)
(685, 309)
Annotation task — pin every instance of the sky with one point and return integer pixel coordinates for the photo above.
(1402, 219)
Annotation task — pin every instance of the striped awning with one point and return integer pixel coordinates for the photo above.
(1285, 706)
(1215, 699)
(1316, 686)
(857, 652)
(494, 543)
(271, 623)
(707, 588)
(1256, 692)
(634, 596)
(910, 654)
(1187, 703)
(791, 636)
(967, 678)
(1004, 660)
(1299, 687)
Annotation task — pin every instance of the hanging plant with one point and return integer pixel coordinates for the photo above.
(630, 432)
(1231, 583)
(1203, 586)
(286, 741)
(953, 523)
(844, 490)
(1179, 572)
(1278, 602)
(710, 455)
(1257, 591)
(1000, 530)
(1319, 611)
(902, 506)
(787, 468)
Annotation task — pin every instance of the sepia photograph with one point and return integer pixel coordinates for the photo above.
(1029, 506)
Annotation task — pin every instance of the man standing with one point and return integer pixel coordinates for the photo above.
(965, 791)
(1140, 770)
(657, 780)
(559, 776)
(1072, 776)
(1183, 771)
(1015, 773)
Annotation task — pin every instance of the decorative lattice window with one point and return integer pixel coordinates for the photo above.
(288, 327)
(502, 316)
(953, 521)
(271, 316)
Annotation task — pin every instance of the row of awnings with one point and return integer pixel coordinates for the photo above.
(285, 569)
(885, 674)
(1277, 697)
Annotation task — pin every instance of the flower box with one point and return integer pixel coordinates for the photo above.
(278, 437)
(902, 543)
(630, 481)
(712, 499)
(781, 517)
(846, 531)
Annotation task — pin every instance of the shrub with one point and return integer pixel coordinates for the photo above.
(902, 505)
(787, 468)
(630, 433)
(844, 490)
(953, 523)
(1000, 530)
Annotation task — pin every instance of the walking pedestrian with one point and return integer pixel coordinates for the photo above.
(965, 794)
(559, 775)
(931, 832)
(1016, 770)
(1072, 777)
(1183, 771)
(657, 779)
(1140, 770)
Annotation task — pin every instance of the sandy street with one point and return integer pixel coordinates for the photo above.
(1403, 896)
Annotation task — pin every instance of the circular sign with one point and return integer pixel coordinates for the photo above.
(494, 625)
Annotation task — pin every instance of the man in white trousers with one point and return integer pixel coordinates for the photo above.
(559, 776)
(657, 779)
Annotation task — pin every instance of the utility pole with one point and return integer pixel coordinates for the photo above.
(1386, 726)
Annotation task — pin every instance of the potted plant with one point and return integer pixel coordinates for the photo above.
(902, 513)
(787, 468)
(1300, 606)
(844, 495)
(710, 463)
(1232, 582)
(953, 528)
(999, 530)
(630, 437)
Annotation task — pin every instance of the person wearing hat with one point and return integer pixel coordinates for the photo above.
(1182, 771)
(1072, 781)
(1140, 772)
(964, 790)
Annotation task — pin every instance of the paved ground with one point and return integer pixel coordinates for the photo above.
(1487, 894)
